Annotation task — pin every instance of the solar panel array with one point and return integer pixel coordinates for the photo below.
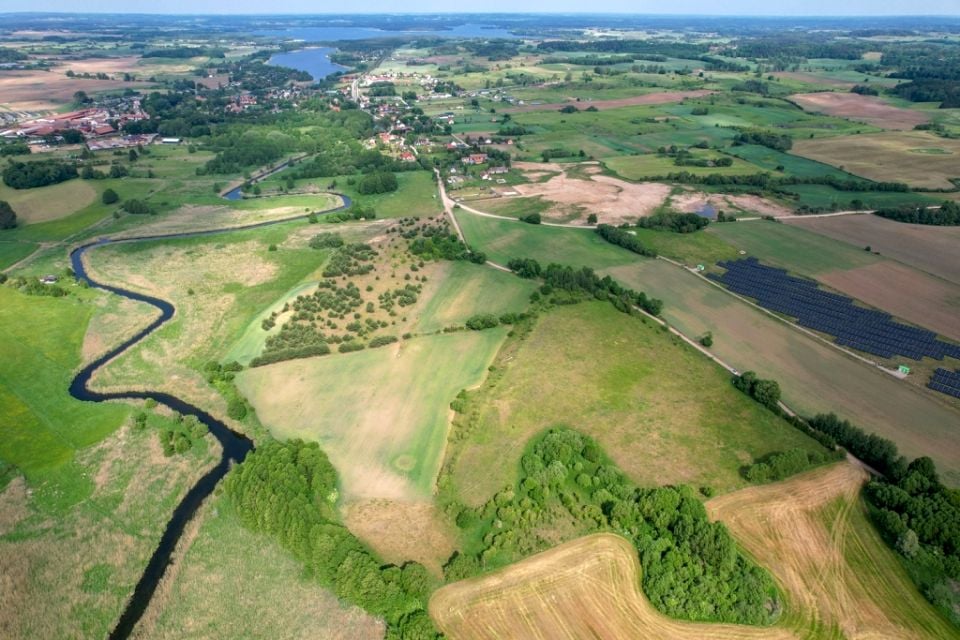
(945, 381)
(863, 329)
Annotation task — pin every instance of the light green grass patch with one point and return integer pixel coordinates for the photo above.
(792, 248)
(380, 414)
(468, 289)
(503, 240)
(650, 165)
(40, 349)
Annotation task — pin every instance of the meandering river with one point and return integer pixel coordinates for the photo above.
(235, 446)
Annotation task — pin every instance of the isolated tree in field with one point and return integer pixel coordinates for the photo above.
(110, 197)
(8, 219)
(81, 97)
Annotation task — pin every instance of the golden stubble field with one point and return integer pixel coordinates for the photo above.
(810, 532)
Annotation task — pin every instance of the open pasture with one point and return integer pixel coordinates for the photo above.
(869, 109)
(666, 414)
(930, 249)
(657, 97)
(771, 160)
(814, 377)
(637, 167)
(587, 588)
(841, 580)
(882, 283)
(380, 414)
(53, 202)
(43, 425)
(902, 156)
(826, 198)
(503, 240)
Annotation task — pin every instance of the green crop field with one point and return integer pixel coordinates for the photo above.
(650, 165)
(814, 377)
(467, 289)
(824, 196)
(771, 159)
(381, 414)
(689, 248)
(503, 240)
(662, 411)
(792, 248)
(44, 426)
(13, 252)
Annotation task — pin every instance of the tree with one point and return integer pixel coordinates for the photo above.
(8, 219)
(110, 197)
(133, 155)
(908, 544)
(81, 97)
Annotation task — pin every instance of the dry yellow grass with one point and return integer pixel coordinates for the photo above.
(839, 578)
(587, 588)
(48, 203)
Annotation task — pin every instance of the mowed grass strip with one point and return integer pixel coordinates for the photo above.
(40, 349)
(664, 412)
(903, 156)
(468, 289)
(587, 588)
(380, 414)
(815, 378)
(841, 580)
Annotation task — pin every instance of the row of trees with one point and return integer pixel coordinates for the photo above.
(289, 490)
(625, 239)
(673, 221)
(584, 282)
(568, 488)
(948, 214)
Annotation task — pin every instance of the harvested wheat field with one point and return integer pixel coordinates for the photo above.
(52, 202)
(917, 158)
(587, 588)
(854, 106)
(614, 201)
(930, 249)
(840, 579)
(47, 90)
(906, 293)
(659, 97)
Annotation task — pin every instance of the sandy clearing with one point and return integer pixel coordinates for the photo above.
(749, 204)
(400, 531)
(869, 109)
(587, 588)
(613, 200)
(935, 250)
(904, 292)
(660, 97)
(805, 531)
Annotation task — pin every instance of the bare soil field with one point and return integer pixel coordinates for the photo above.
(47, 90)
(812, 533)
(660, 97)
(917, 158)
(904, 292)
(869, 109)
(400, 531)
(587, 588)
(736, 204)
(935, 250)
(613, 200)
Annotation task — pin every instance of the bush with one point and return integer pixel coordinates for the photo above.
(533, 218)
(381, 341)
(379, 182)
(8, 218)
(135, 206)
(109, 197)
(482, 321)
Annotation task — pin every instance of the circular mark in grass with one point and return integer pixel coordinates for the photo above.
(404, 462)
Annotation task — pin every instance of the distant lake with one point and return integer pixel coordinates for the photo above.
(332, 34)
(313, 60)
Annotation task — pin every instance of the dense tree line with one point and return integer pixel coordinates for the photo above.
(625, 239)
(8, 217)
(28, 175)
(946, 92)
(289, 491)
(769, 139)
(799, 46)
(641, 48)
(917, 515)
(14, 149)
(766, 392)
(584, 282)
(692, 568)
(183, 53)
(673, 221)
(947, 215)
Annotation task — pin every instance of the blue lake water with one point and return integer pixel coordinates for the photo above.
(707, 211)
(332, 34)
(314, 60)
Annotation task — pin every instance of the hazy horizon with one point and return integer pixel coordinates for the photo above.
(679, 8)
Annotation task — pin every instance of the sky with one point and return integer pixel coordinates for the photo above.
(674, 7)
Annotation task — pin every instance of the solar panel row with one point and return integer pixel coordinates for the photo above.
(945, 381)
(866, 330)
